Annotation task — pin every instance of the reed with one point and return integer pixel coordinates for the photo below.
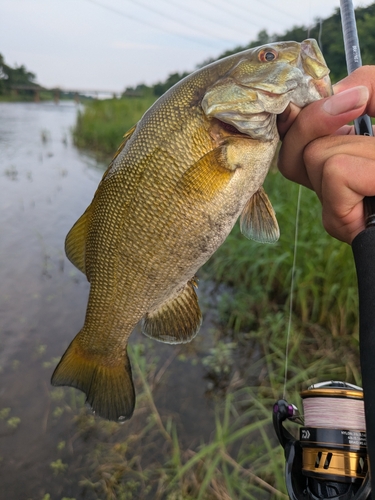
(101, 124)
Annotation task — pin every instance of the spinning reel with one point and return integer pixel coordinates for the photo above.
(330, 459)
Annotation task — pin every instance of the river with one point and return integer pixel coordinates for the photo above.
(47, 437)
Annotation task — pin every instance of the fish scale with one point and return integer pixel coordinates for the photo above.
(194, 163)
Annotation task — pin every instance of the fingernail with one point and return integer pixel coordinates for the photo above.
(347, 100)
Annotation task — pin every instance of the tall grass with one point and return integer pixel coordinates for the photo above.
(149, 458)
(102, 124)
(259, 275)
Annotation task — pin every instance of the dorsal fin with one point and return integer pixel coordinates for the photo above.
(177, 320)
(125, 139)
(258, 220)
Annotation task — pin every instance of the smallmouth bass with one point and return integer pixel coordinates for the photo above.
(193, 164)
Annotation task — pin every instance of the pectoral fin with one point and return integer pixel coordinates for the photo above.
(258, 220)
(178, 320)
(208, 176)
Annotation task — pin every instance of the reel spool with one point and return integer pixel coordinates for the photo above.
(330, 459)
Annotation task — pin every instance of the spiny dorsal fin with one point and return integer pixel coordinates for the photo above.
(177, 320)
(75, 242)
(125, 139)
(258, 220)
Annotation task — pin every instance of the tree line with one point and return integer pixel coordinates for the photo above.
(12, 77)
(328, 32)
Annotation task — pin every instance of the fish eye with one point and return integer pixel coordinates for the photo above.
(267, 55)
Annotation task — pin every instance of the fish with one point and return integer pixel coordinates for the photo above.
(183, 175)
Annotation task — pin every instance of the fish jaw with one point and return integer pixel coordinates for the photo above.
(316, 82)
(255, 86)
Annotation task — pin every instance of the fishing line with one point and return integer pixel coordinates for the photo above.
(295, 247)
(334, 412)
(292, 282)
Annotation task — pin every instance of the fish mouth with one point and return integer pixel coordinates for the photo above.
(251, 126)
(229, 129)
(221, 130)
(273, 94)
(323, 86)
(312, 63)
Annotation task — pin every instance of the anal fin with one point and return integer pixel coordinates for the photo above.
(177, 320)
(258, 220)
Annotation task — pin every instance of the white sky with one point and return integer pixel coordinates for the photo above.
(111, 44)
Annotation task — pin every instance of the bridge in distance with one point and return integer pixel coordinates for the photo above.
(77, 94)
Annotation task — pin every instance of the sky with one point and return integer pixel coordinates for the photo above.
(108, 45)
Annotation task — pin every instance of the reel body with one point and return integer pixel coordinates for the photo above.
(329, 461)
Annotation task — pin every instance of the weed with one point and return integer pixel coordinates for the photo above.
(12, 173)
(219, 360)
(103, 123)
(58, 467)
(45, 136)
(14, 422)
(4, 413)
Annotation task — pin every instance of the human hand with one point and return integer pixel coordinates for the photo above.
(322, 153)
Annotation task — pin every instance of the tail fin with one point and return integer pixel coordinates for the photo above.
(108, 386)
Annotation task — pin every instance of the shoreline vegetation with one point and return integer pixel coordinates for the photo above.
(244, 364)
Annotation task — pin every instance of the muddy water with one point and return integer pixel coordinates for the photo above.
(45, 184)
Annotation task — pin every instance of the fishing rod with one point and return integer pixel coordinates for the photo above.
(335, 455)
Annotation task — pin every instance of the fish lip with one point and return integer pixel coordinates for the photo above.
(275, 94)
(323, 86)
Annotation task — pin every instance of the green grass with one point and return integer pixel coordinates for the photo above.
(259, 275)
(149, 458)
(102, 124)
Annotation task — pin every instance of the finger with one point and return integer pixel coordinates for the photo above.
(286, 119)
(349, 130)
(345, 130)
(346, 181)
(322, 150)
(318, 119)
(364, 75)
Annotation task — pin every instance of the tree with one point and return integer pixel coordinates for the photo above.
(18, 75)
